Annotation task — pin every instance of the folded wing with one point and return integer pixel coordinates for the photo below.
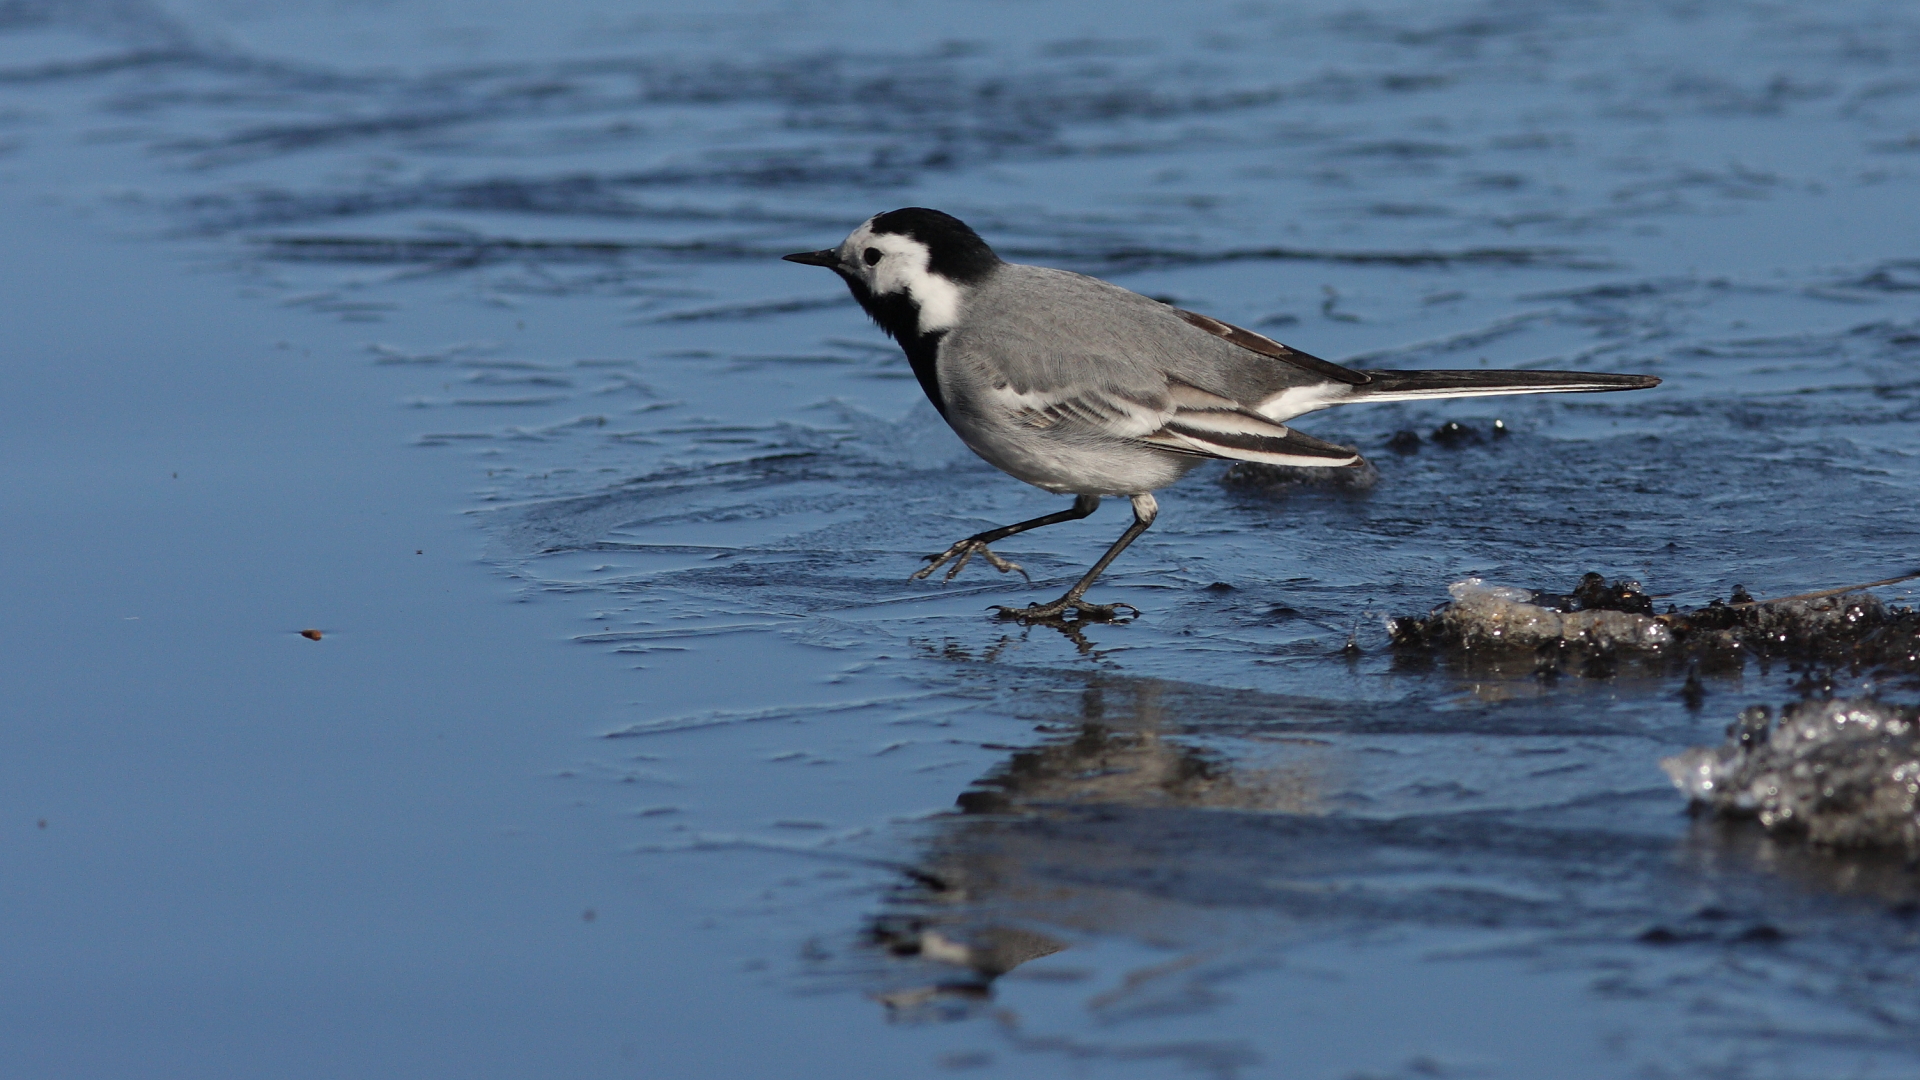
(1205, 423)
(1183, 420)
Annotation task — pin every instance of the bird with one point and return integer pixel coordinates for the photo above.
(1081, 387)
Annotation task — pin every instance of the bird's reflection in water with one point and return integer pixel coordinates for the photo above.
(961, 913)
(1180, 817)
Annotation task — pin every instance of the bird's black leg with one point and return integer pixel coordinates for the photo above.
(977, 543)
(1144, 511)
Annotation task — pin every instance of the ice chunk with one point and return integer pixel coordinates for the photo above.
(1853, 628)
(1474, 588)
(1483, 615)
(1845, 773)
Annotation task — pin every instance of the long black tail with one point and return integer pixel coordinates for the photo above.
(1405, 385)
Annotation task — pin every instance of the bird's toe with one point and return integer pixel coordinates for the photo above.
(961, 554)
(1003, 565)
(1105, 612)
(936, 561)
(1057, 612)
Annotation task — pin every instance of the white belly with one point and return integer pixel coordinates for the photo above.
(1073, 463)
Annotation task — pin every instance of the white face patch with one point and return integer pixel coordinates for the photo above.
(902, 268)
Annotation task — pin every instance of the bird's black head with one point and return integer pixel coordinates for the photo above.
(910, 268)
(954, 251)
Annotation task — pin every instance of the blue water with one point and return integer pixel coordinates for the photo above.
(457, 334)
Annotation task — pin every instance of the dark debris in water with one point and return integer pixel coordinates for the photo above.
(1848, 629)
(1709, 924)
(1455, 433)
(1842, 773)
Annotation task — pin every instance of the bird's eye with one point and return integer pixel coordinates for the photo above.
(872, 256)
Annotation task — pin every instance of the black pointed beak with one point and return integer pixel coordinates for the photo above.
(826, 257)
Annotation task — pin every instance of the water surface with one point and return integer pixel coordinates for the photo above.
(652, 762)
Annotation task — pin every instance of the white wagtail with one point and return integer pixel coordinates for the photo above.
(1083, 388)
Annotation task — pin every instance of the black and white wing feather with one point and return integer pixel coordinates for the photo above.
(1205, 423)
(1179, 418)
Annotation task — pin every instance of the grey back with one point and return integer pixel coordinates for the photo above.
(1043, 330)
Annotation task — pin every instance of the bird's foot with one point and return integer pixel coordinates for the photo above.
(964, 551)
(1056, 612)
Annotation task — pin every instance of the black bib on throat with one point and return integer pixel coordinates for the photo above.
(899, 315)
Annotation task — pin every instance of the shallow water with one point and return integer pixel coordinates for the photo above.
(652, 762)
